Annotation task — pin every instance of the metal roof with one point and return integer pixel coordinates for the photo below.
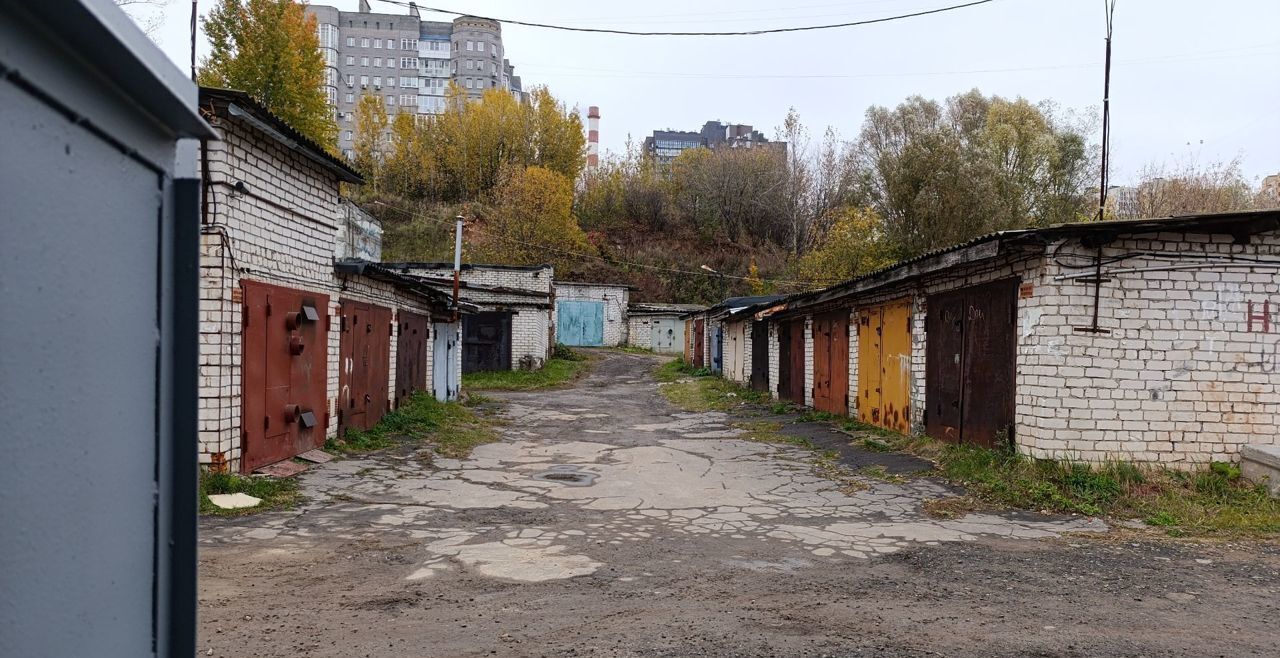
(465, 266)
(1239, 223)
(380, 272)
(229, 100)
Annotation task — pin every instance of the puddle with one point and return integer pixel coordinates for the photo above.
(568, 475)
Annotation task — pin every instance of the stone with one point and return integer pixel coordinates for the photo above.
(1260, 464)
(234, 501)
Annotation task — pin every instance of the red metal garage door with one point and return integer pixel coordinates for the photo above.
(970, 363)
(364, 365)
(411, 355)
(831, 362)
(284, 373)
(699, 328)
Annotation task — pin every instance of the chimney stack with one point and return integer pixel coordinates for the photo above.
(593, 139)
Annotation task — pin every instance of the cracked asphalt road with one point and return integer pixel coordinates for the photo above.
(607, 522)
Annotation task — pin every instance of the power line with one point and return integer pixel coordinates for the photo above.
(634, 33)
(611, 261)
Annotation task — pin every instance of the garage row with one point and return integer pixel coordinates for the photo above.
(1144, 340)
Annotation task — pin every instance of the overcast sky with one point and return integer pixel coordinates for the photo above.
(1192, 80)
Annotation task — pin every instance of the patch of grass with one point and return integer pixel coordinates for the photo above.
(701, 393)
(876, 445)
(764, 431)
(951, 507)
(276, 493)
(555, 372)
(566, 353)
(632, 349)
(812, 416)
(451, 428)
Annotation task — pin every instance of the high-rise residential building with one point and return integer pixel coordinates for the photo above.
(665, 145)
(406, 61)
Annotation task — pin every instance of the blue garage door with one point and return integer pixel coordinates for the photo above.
(580, 323)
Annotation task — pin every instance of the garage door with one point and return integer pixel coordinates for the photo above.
(667, 335)
(884, 365)
(831, 362)
(411, 355)
(364, 365)
(580, 323)
(970, 361)
(486, 341)
(791, 360)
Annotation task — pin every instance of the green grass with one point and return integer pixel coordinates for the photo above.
(632, 349)
(451, 428)
(555, 372)
(696, 392)
(1212, 501)
(276, 493)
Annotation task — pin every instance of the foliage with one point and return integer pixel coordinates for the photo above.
(566, 353)
(275, 493)
(702, 392)
(942, 173)
(466, 152)
(1187, 188)
(854, 245)
(531, 221)
(555, 372)
(371, 143)
(270, 49)
(451, 428)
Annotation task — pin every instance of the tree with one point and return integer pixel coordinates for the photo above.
(531, 220)
(855, 244)
(1185, 189)
(270, 49)
(371, 141)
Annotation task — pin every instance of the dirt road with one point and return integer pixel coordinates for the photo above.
(608, 523)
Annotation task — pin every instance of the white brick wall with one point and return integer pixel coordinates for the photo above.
(615, 298)
(808, 360)
(639, 332)
(775, 355)
(282, 231)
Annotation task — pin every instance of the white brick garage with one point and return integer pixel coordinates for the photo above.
(591, 314)
(1182, 370)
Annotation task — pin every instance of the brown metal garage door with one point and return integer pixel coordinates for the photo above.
(791, 360)
(364, 365)
(284, 376)
(831, 362)
(699, 328)
(411, 355)
(759, 355)
(970, 363)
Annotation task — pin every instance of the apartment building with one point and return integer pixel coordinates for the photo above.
(665, 145)
(407, 61)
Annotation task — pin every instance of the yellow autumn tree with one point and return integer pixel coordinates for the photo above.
(855, 244)
(270, 49)
(531, 221)
(371, 140)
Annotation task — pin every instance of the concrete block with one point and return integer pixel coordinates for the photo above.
(1261, 464)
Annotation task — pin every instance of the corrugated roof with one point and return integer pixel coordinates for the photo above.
(285, 133)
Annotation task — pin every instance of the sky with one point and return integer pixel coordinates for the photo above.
(1192, 81)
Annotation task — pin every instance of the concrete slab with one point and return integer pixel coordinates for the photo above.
(1261, 464)
(234, 501)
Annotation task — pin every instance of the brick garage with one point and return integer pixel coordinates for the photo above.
(574, 304)
(658, 327)
(1180, 370)
(521, 292)
(269, 240)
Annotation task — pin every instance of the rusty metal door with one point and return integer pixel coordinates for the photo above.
(989, 363)
(970, 361)
(411, 355)
(784, 360)
(831, 362)
(699, 329)
(884, 365)
(486, 341)
(795, 362)
(363, 373)
(284, 374)
(759, 355)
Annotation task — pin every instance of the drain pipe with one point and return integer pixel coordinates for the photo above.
(457, 265)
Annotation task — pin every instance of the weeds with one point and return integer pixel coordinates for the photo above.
(555, 372)
(452, 429)
(566, 353)
(276, 493)
(701, 393)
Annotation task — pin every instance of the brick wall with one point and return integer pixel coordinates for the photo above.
(775, 355)
(615, 298)
(282, 230)
(639, 332)
(808, 360)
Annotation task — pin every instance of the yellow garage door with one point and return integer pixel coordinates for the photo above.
(884, 365)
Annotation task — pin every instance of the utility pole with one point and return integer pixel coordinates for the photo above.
(195, 16)
(457, 264)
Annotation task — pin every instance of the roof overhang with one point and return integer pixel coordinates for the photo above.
(439, 299)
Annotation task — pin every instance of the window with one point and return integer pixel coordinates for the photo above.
(468, 83)
(408, 62)
(391, 100)
(408, 82)
(408, 44)
(377, 81)
(349, 154)
(351, 80)
(351, 41)
(493, 48)
(364, 61)
(364, 81)
(377, 43)
(351, 60)
(351, 98)
(347, 135)
(391, 62)
(408, 101)
(364, 42)
(470, 45)
(391, 82)
(377, 62)
(471, 64)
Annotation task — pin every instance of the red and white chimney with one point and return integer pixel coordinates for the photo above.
(593, 139)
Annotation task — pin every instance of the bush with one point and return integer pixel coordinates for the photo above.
(564, 352)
